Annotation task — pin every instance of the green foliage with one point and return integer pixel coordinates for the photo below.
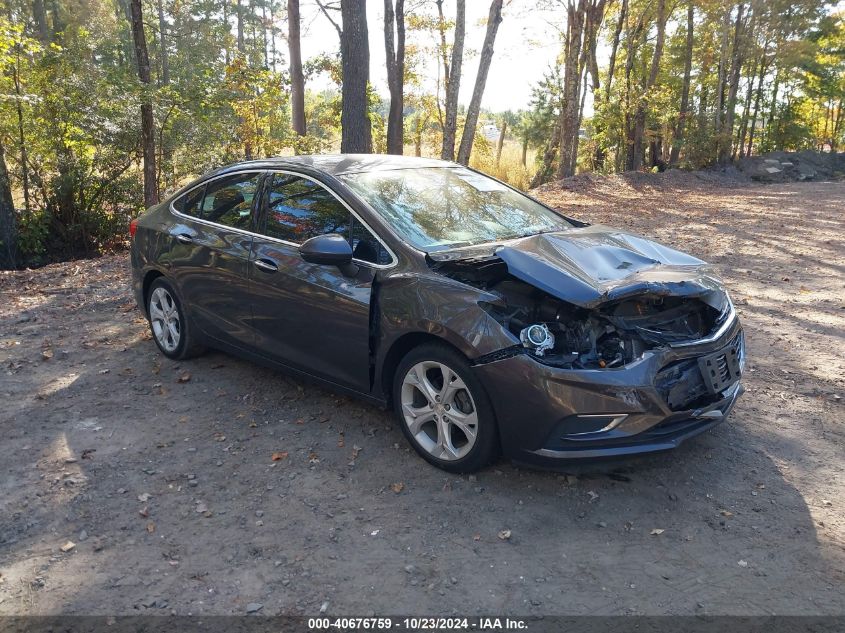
(33, 229)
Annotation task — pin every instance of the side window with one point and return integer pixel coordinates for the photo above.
(299, 209)
(366, 247)
(228, 201)
(191, 202)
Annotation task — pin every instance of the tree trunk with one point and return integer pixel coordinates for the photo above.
(297, 79)
(571, 86)
(494, 18)
(611, 67)
(453, 84)
(264, 39)
(40, 15)
(746, 113)
(574, 164)
(21, 135)
(722, 71)
(356, 132)
(239, 15)
(162, 38)
(8, 218)
(226, 54)
(525, 151)
(683, 111)
(774, 102)
(636, 149)
(726, 137)
(147, 124)
(273, 34)
(500, 144)
(395, 74)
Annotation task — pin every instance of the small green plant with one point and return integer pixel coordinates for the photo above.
(33, 229)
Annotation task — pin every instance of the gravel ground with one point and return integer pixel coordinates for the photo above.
(132, 484)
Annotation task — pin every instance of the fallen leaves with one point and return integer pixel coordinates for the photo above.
(279, 456)
(184, 377)
(726, 513)
(397, 487)
(504, 535)
(151, 527)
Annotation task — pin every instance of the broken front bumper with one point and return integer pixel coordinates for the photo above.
(547, 414)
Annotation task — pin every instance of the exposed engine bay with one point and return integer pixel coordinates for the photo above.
(610, 335)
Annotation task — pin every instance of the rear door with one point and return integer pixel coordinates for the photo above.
(210, 256)
(312, 317)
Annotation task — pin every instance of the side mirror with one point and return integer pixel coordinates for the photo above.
(328, 250)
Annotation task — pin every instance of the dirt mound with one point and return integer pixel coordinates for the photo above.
(644, 182)
(791, 166)
(767, 168)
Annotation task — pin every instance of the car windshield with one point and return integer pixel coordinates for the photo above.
(438, 208)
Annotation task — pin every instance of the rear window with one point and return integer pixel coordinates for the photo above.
(191, 202)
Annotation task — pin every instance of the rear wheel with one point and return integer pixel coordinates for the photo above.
(443, 409)
(172, 332)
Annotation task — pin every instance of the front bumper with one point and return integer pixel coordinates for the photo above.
(548, 415)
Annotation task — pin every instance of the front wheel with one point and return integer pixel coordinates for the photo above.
(444, 411)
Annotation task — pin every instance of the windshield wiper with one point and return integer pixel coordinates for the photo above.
(539, 232)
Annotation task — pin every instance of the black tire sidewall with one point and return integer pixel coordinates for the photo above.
(179, 352)
(486, 447)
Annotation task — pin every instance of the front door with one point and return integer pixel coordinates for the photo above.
(312, 317)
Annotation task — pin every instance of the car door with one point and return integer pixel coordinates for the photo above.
(309, 316)
(210, 258)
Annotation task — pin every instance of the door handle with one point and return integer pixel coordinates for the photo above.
(266, 265)
(184, 238)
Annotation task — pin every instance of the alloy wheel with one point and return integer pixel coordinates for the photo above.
(439, 410)
(164, 318)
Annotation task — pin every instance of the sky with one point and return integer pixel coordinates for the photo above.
(526, 45)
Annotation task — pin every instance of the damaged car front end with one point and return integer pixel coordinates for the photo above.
(489, 322)
(620, 345)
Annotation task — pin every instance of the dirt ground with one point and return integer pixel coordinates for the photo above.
(159, 480)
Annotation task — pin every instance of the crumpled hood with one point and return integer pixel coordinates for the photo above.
(589, 265)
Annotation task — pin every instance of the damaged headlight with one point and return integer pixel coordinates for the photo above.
(537, 338)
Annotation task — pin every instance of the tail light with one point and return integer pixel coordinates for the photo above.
(133, 226)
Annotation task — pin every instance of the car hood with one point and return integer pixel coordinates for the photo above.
(589, 265)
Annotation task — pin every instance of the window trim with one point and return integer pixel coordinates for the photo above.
(268, 173)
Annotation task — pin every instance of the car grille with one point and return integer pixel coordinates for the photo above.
(693, 382)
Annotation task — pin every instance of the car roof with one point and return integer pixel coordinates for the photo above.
(336, 164)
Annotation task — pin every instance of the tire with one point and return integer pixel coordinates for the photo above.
(453, 428)
(172, 331)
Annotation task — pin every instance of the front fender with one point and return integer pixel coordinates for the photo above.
(443, 307)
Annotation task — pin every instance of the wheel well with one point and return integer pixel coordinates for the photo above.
(397, 352)
(149, 278)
